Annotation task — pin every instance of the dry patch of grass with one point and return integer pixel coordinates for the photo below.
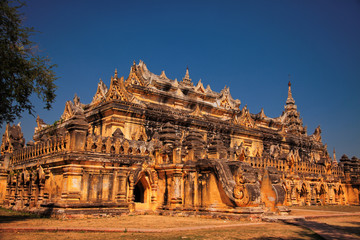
(141, 221)
(261, 231)
(15, 219)
(328, 208)
(322, 210)
(300, 212)
(258, 231)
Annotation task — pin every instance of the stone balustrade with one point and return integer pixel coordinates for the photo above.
(30, 153)
(300, 167)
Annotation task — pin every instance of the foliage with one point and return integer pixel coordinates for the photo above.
(23, 71)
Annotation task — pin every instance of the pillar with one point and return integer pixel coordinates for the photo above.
(176, 198)
(72, 177)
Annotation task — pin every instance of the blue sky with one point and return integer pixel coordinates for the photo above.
(250, 46)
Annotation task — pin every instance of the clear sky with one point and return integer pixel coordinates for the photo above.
(250, 46)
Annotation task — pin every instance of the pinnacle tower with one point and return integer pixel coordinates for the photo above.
(187, 80)
(292, 119)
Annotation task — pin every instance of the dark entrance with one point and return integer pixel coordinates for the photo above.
(139, 192)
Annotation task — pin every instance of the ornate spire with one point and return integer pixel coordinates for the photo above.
(116, 74)
(187, 79)
(187, 76)
(334, 160)
(290, 99)
(291, 117)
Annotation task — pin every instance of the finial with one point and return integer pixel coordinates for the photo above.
(289, 80)
(134, 63)
(290, 99)
(186, 78)
(335, 160)
(116, 73)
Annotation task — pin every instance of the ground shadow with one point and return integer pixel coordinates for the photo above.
(8, 215)
(349, 229)
(300, 235)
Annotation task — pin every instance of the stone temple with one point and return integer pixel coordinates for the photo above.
(150, 143)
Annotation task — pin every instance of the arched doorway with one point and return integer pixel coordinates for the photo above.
(139, 191)
(142, 193)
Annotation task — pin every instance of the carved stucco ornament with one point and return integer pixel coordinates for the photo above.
(241, 194)
(244, 118)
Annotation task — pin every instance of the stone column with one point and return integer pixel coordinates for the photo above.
(196, 191)
(33, 195)
(318, 202)
(27, 196)
(121, 193)
(288, 196)
(154, 186)
(71, 191)
(330, 192)
(308, 198)
(3, 186)
(176, 198)
(154, 193)
(131, 197)
(46, 187)
(18, 198)
(293, 196)
(41, 194)
(12, 194)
